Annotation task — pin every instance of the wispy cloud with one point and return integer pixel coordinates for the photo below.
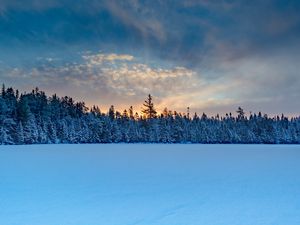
(98, 59)
(131, 15)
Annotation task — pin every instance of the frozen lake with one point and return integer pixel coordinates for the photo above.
(150, 185)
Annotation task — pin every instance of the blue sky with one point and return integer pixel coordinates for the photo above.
(209, 55)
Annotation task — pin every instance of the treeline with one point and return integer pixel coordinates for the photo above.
(34, 118)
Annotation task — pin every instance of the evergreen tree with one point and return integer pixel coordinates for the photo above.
(131, 113)
(111, 112)
(241, 113)
(149, 110)
(20, 134)
(23, 110)
(31, 131)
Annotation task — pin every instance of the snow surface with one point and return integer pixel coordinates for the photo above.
(143, 184)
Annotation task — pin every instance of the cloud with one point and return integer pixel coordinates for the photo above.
(186, 32)
(115, 77)
(98, 59)
(210, 55)
(123, 80)
(132, 15)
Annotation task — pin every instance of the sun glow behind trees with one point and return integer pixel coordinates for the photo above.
(32, 118)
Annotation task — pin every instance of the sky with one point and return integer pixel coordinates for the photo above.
(211, 56)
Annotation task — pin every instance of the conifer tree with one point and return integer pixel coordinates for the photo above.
(131, 114)
(20, 134)
(111, 112)
(149, 110)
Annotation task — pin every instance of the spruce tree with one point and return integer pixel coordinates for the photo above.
(149, 110)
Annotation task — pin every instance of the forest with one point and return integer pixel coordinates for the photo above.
(35, 118)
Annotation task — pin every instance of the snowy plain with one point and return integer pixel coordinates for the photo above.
(150, 184)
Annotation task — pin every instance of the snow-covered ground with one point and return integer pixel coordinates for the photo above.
(150, 185)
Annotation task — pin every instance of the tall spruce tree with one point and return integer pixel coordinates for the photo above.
(149, 110)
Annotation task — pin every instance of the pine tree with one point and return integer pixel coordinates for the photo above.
(20, 134)
(52, 133)
(23, 110)
(131, 113)
(241, 113)
(111, 112)
(31, 131)
(3, 90)
(5, 137)
(116, 134)
(149, 110)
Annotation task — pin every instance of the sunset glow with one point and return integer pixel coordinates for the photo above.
(211, 56)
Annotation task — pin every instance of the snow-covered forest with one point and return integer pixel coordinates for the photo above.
(34, 118)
